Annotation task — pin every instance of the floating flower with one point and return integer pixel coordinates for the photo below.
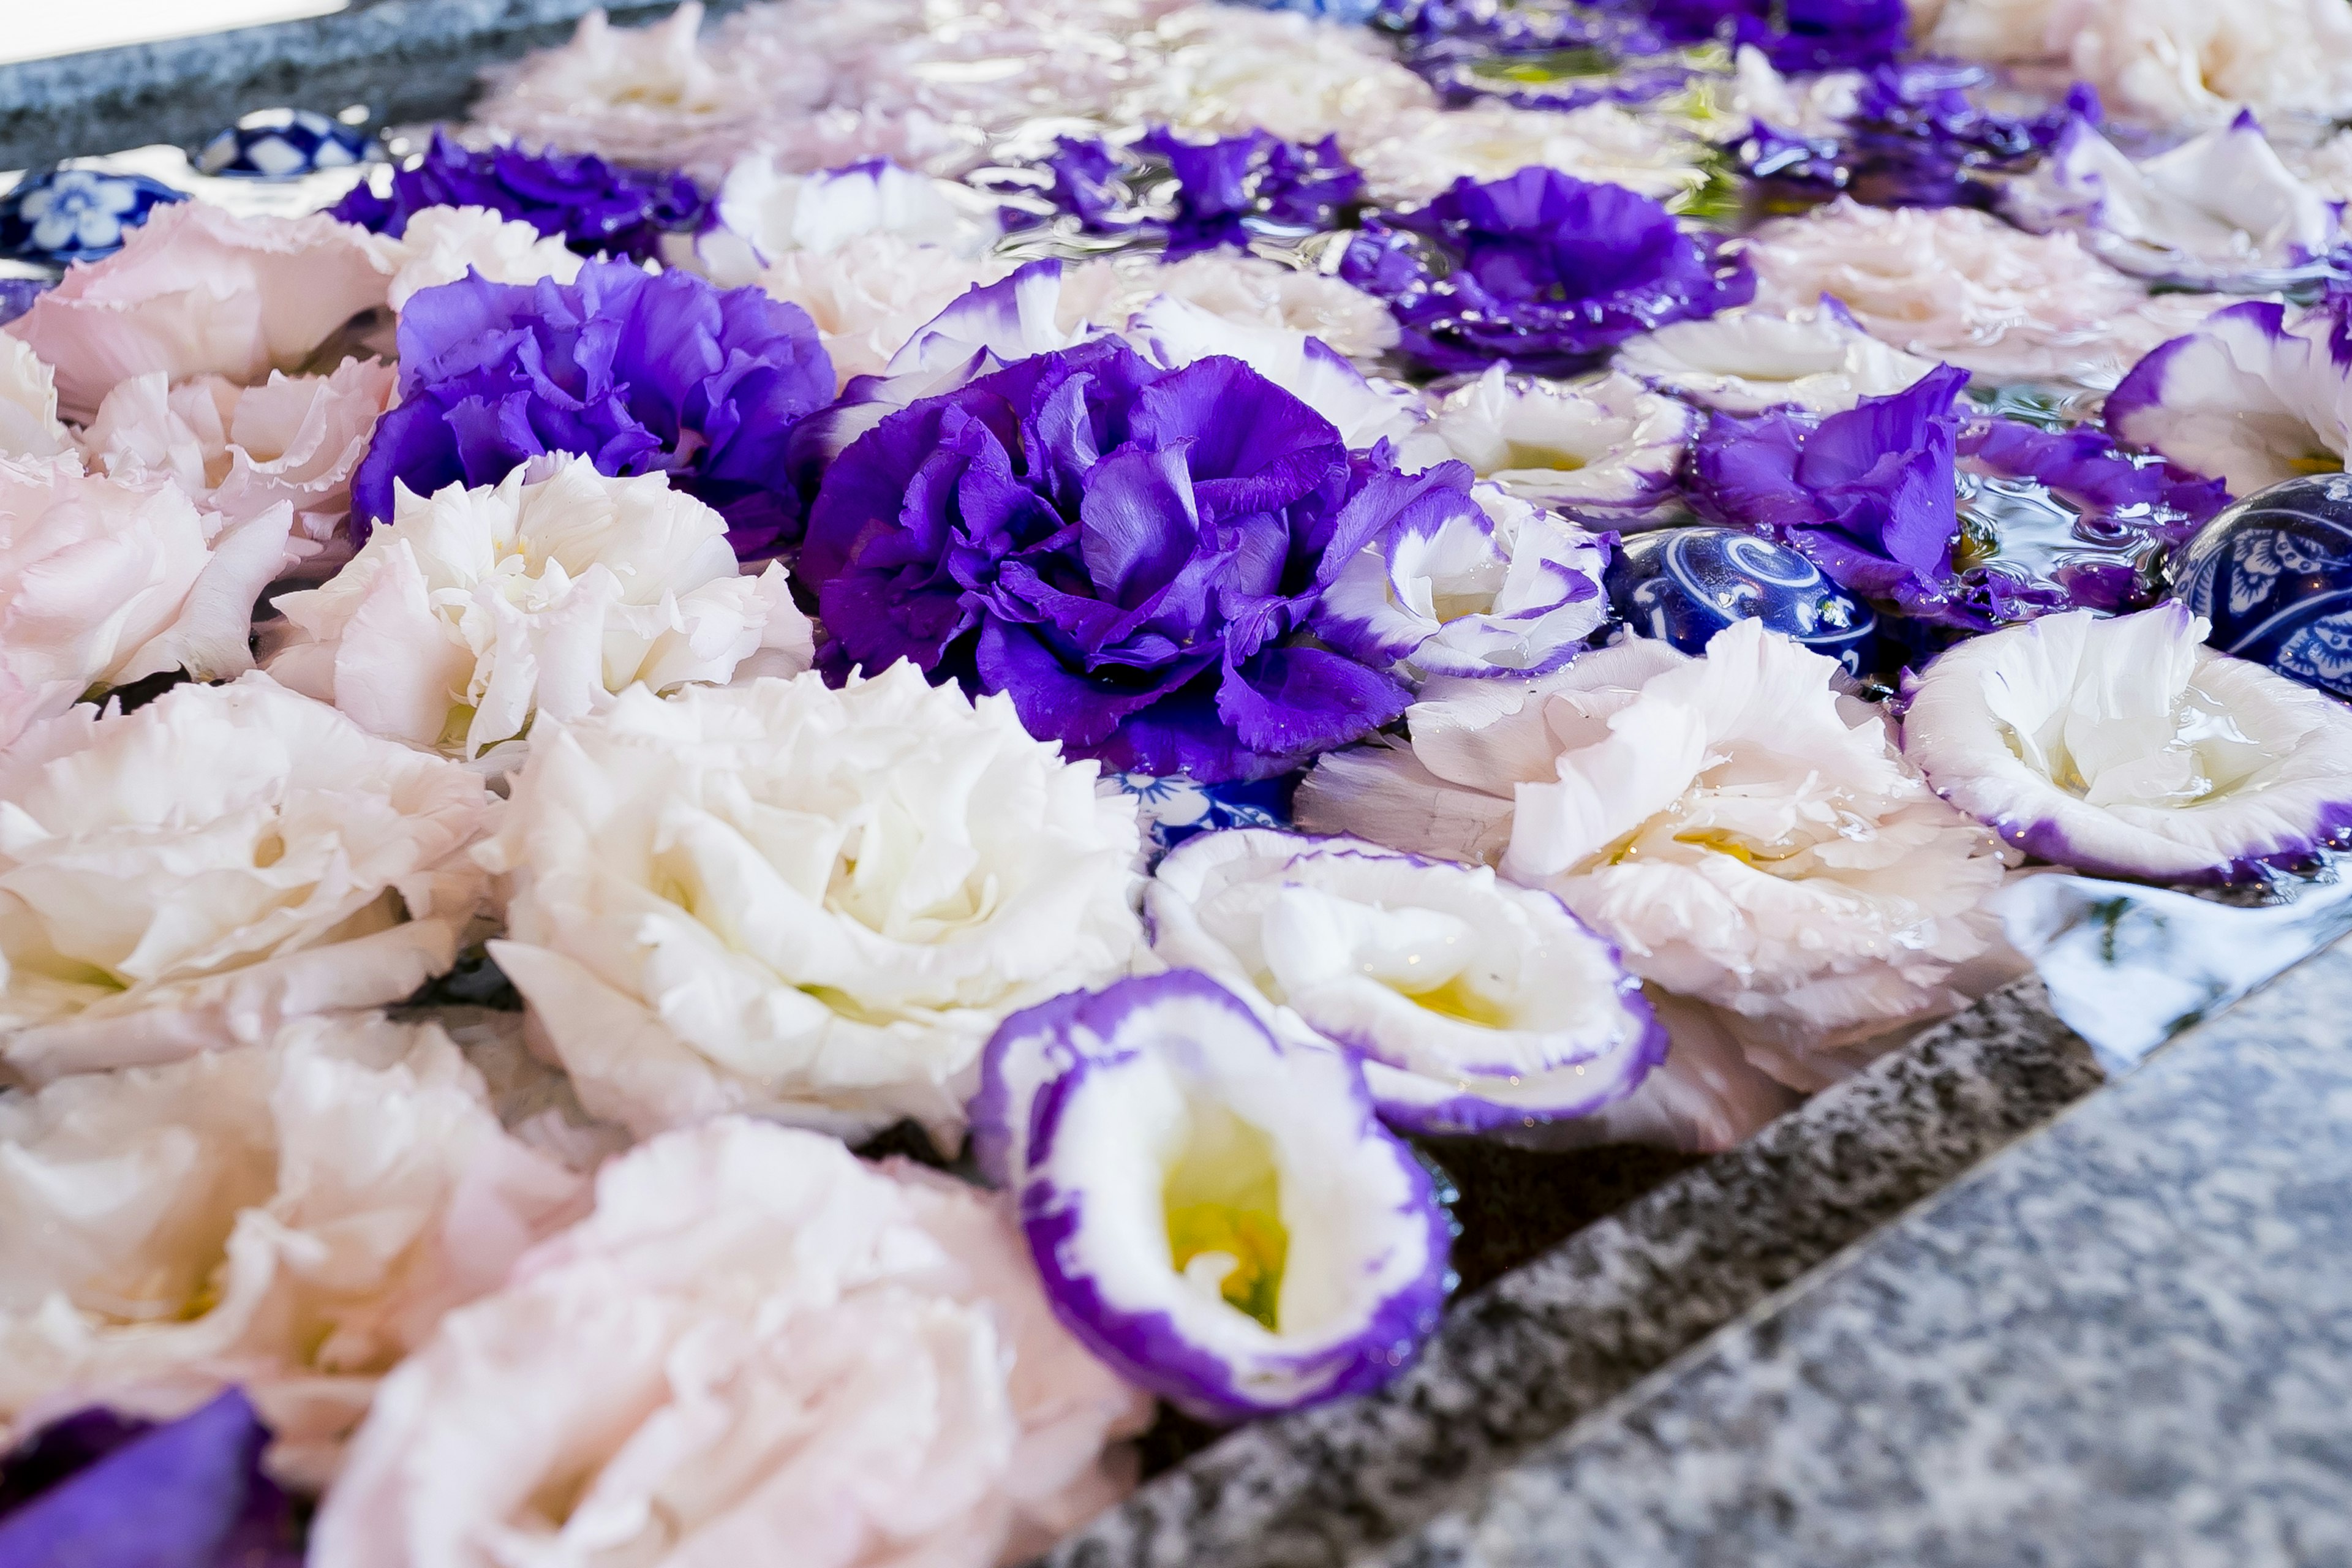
(1177, 332)
(475, 613)
(1605, 447)
(1745, 835)
(1219, 1216)
(290, 1217)
(1246, 291)
(1816, 359)
(1471, 1004)
(645, 375)
(1959, 286)
(582, 200)
(812, 903)
(872, 294)
(241, 450)
(442, 244)
(788, 1344)
(768, 215)
(2126, 747)
(104, 581)
(2249, 398)
(28, 404)
(1480, 584)
(1228, 70)
(1133, 578)
(1548, 272)
(196, 290)
(1238, 188)
(107, 1490)
(1418, 155)
(2219, 211)
(1795, 35)
(1868, 496)
(185, 876)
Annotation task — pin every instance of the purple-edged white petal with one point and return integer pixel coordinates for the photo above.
(766, 212)
(1607, 444)
(1221, 1218)
(1474, 1003)
(1747, 360)
(1503, 588)
(2219, 211)
(2126, 747)
(1176, 331)
(2251, 397)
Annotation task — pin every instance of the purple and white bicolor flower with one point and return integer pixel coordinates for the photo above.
(1816, 359)
(1176, 331)
(1607, 446)
(1472, 1003)
(2218, 212)
(1220, 1217)
(2253, 397)
(2126, 747)
(1482, 584)
(766, 212)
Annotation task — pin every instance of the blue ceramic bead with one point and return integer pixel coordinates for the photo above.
(1174, 808)
(2274, 574)
(56, 216)
(1682, 585)
(281, 144)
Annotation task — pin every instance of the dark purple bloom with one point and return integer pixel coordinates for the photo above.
(1870, 495)
(642, 373)
(1086, 180)
(1915, 139)
(591, 206)
(17, 294)
(1127, 552)
(1541, 268)
(102, 1491)
(1228, 190)
(1797, 35)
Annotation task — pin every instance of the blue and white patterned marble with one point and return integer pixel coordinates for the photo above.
(282, 144)
(1174, 808)
(2274, 574)
(1682, 585)
(56, 216)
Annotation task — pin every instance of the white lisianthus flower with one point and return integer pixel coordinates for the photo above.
(1605, 445)
(872, 293)
(290, 1217)
(812, 903)
(2178, 62)
(241, 450)
(1417, 154)
(1748, 359)
(1246, 290)
(29, 426)
(441, 244)
(1501, 587)
(1300, 78)
(786, 1345)
(2219, 211)
(104, 581)
(2126, 747)
(1176, 333)
(2254, 397)
(1745, 835)
(1961, 286)
(766, 214)
(1819, 106)
(476, 612)
(185, 876)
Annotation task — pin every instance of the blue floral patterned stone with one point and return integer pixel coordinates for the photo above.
(56, 216)
(1682, 585)
(282, 144)
(2274, 574)
(1174, 808)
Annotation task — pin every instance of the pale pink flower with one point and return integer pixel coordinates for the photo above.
(104, 581)
(28, 404)
(241, 450)
(755, 1339)
(195, 290)
(292, 1217)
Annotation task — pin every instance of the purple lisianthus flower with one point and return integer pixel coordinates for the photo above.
(587, 203)
(1085, 179)
(1127, 552)
(101, 1490)
(1870, 495)
(1169, 1157)
(17, 294)
(644, 373)
(1229, 190)
(1541, 268)
(1585, 54)
(1796, 34)
(1915, 139)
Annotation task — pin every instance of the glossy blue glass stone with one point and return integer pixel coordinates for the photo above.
(1173, 808)
(2274, 574)
(56, 216)
(282, 144)
(1682, 585)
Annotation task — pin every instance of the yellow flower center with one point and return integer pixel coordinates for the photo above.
(1223, 1202)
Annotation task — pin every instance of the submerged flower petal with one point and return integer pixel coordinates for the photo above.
(1220, 1217)
(1747, 360)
